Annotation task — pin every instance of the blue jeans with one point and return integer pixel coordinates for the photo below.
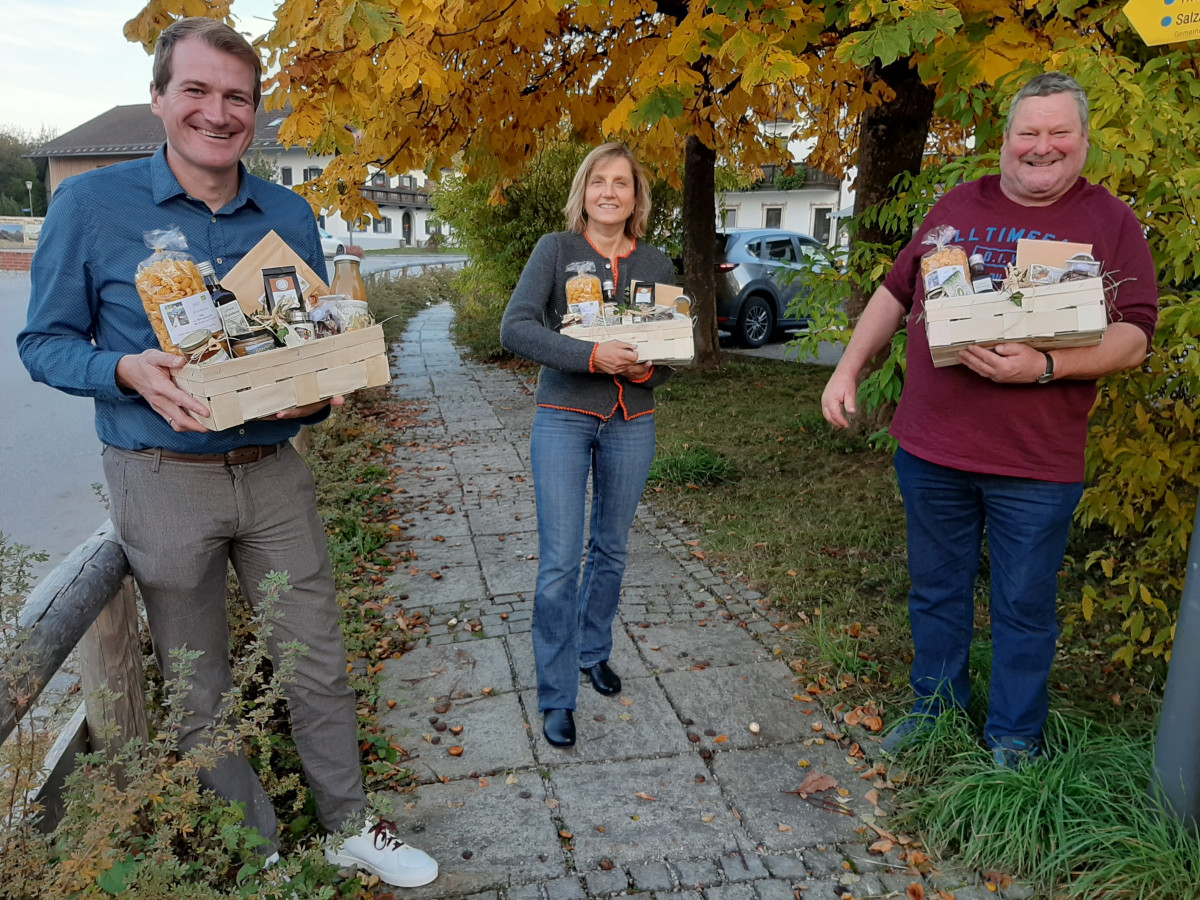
(1027, 524)
(572, 619)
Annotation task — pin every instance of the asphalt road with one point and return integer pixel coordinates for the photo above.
(49, 452)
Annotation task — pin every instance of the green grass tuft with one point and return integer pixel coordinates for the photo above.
(690, 465)
(1079, 820)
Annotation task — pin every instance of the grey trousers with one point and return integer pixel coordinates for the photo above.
(181, 523)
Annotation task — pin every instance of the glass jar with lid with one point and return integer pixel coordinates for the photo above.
(347, 279)
(202, 348)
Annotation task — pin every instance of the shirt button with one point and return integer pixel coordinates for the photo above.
(608, 265)
(214, 218)
(241, 431)
(220, 259)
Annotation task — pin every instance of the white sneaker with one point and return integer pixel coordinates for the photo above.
(379, 851)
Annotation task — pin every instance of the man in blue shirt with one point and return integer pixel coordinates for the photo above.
(187, 501)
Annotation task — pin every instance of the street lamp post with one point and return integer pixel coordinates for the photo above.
(29, 187)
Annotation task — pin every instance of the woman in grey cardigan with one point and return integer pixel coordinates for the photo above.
(595, 416)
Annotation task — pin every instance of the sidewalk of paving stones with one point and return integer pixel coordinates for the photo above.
(668, 792)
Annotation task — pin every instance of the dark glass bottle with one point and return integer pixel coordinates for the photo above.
(232, 317)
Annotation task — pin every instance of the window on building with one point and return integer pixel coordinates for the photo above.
(379, 179)
(729, 217)
(772, 217)
(285, 175)
(311, 173)
(382, 226)
(361, 224)
(433, 226)
(820, 223)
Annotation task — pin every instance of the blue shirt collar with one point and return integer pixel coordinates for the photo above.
(165, 185)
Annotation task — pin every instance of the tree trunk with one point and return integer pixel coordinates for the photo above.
(892, 140)
(700, 247)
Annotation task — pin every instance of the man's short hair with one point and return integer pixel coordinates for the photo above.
(213, 32)
(1047, 85)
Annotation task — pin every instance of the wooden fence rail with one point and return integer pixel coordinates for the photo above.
(87, 601)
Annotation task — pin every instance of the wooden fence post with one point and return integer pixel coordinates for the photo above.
(111, 661)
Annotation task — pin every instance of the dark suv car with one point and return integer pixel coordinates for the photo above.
(758, 276)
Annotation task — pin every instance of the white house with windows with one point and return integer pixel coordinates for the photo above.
(405, 218)
(807, 201)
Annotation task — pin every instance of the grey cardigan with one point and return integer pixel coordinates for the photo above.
(534, 316)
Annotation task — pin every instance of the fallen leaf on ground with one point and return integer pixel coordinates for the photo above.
(872, 797)
(455, 751)
(815, 783)
(511, 779)
(881, 846)
(915, 891)
(642, 795)
(784, 828)
(708, 817)
(720, 738)
(627, 701)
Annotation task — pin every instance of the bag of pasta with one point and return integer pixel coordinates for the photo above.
(945, 269)
(173, 291)
(584, 293)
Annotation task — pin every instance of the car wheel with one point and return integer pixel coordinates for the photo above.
(340, 250)
(755, 323)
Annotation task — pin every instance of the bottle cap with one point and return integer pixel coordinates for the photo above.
(342, 256)
(977, 258)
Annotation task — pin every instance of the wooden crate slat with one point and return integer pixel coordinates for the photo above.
(267, 383)
(1059, 315)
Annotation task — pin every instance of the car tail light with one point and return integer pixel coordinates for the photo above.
(724, 267)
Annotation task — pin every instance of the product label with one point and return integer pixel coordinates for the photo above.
(191, 314)
(951, 279)
(589, 309)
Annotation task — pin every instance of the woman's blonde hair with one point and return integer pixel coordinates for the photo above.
(635, 225)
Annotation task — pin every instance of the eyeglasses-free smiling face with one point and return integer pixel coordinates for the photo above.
(207, 111)
(610, 195)
(1044, 150)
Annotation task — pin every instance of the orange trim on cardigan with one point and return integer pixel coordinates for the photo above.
(649, 375)
(592, 359)
(616, 262)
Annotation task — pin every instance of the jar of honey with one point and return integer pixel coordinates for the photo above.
(202, 349)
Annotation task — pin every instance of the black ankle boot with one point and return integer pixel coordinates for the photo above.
(558, 725)
(604, 679)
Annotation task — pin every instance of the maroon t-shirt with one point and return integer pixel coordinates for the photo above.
(953, 417)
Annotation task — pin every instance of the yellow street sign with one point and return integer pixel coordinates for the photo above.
(1165, 21)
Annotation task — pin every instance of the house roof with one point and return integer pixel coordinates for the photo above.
(135, 131)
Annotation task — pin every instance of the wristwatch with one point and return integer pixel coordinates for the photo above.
(1047, 376)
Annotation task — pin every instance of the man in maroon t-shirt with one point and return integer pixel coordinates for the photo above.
(999, 440)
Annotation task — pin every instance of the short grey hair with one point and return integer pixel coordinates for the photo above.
(1047, 85)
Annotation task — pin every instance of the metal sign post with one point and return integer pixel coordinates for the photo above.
(1175, 781)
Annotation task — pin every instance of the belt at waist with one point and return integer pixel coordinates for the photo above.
(239, 457)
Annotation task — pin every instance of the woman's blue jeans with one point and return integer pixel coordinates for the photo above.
(572, 619)
(1027, 524)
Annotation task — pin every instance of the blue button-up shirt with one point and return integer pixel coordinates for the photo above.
(85, 312)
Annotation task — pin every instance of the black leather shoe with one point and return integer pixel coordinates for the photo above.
(604, 679)
(558, 725)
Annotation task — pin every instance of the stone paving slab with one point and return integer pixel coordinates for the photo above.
(506, 829)
(753, 693)
(503, 517)
(493, 738)
(429, 675)
(758, 780)
(454, 583)
(636, 829)
(670, 647)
